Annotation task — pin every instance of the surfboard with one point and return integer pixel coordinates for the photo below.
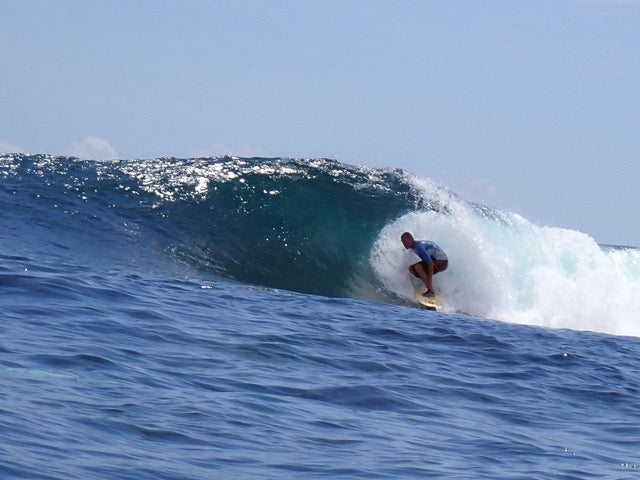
(430, 303)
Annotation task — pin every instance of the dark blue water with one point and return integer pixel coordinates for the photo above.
(144, 336)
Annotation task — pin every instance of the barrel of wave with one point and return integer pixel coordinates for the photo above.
(503, 267)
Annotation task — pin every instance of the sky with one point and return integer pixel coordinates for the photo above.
(531, 106)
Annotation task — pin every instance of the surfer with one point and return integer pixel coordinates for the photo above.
(432, 260)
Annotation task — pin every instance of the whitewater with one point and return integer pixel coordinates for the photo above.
(510, 269)
(253, 318)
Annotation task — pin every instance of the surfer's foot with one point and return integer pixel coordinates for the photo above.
(429, 294)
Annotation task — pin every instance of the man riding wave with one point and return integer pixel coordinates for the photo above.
(432, 260)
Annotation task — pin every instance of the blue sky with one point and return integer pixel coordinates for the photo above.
(530, 106)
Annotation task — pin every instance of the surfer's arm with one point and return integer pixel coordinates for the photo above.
(422, 252)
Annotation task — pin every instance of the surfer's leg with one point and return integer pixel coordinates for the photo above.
(412, 269)
(423, 272)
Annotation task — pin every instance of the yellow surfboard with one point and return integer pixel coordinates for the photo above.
(430, 303)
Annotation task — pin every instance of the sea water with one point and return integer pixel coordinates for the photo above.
(251, 318)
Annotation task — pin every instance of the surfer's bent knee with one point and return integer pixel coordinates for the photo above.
(414, 270)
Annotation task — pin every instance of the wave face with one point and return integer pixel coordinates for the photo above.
(313, 226)
(302, 225)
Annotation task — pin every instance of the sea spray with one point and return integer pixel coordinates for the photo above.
(504, 267)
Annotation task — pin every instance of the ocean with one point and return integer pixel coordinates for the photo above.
(251, 318)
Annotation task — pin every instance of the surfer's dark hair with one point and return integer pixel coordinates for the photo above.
(405, 235)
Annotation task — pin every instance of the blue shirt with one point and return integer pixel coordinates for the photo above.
(429, 251)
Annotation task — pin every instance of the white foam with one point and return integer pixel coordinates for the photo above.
(502, 266)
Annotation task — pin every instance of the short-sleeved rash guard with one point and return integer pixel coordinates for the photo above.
(429, 251)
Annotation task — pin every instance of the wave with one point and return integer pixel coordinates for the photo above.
(315, 226)
(303, 225)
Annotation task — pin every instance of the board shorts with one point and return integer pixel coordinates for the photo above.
(438, 266)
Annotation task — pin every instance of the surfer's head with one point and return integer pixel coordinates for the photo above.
(407, 240)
